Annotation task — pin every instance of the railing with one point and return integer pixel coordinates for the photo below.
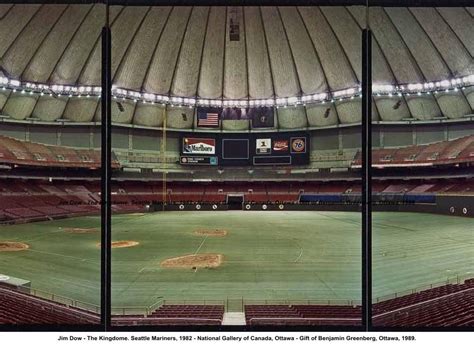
(230, 304)
(132, 310)
(353, 321)
(137, 310)
(392, 317)
(458, 279)
(301, 302)
(70, 302)
(147, 310)
(422, 305)
(238, 304)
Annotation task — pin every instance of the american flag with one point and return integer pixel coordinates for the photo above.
(208, 118)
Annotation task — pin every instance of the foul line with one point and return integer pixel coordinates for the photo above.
(301, 254)
(301, 250)
(197, 250)
(64, 256)
(204, 240)
(146, 266)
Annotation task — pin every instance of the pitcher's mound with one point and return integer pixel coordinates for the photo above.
(211, 233)
(81, 230)
(122, 244)
(192, 261)
(13, 246)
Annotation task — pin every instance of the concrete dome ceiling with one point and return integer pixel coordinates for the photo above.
(236, 53)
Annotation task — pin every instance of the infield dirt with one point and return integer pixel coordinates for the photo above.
(194, 261)
(13, 246)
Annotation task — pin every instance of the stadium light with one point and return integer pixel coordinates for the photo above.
(380, 90)
(292, 100)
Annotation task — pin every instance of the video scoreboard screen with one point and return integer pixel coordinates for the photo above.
(235, 149)
(250, 149)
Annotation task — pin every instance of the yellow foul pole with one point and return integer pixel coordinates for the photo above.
(163, 159)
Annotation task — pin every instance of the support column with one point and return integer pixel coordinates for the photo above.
(366, 178)
(105, 196)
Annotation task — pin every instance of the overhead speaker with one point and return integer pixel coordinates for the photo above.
(397, 105)
(327, 112)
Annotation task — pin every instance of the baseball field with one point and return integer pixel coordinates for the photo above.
(258, 255)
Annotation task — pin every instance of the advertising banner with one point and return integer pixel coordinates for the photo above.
(245, 149)
(201, 146)
(263, 146)
(198, 160)
(298, 145)
(280, 145)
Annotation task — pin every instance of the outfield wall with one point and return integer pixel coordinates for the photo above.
(262, 207)
(456, 205)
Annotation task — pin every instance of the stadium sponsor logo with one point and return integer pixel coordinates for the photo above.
(264, 146)
(205, 146)
(280, 145)
(198, 160)
(298, 145)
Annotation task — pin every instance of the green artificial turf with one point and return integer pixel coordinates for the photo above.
(58, 262)
(272, 255)
(414, 250)
(267, 255)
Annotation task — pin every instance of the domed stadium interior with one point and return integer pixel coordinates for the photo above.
(237, 165)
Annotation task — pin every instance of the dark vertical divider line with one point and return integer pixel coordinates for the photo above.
(366, 178)
(105, 196)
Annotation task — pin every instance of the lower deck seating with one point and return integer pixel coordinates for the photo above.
(303, 315)
(448, 305)
(254, 314)
(35, 200)
(176, 315)
(20, 308)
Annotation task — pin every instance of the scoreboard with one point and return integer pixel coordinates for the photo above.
(249, 149)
